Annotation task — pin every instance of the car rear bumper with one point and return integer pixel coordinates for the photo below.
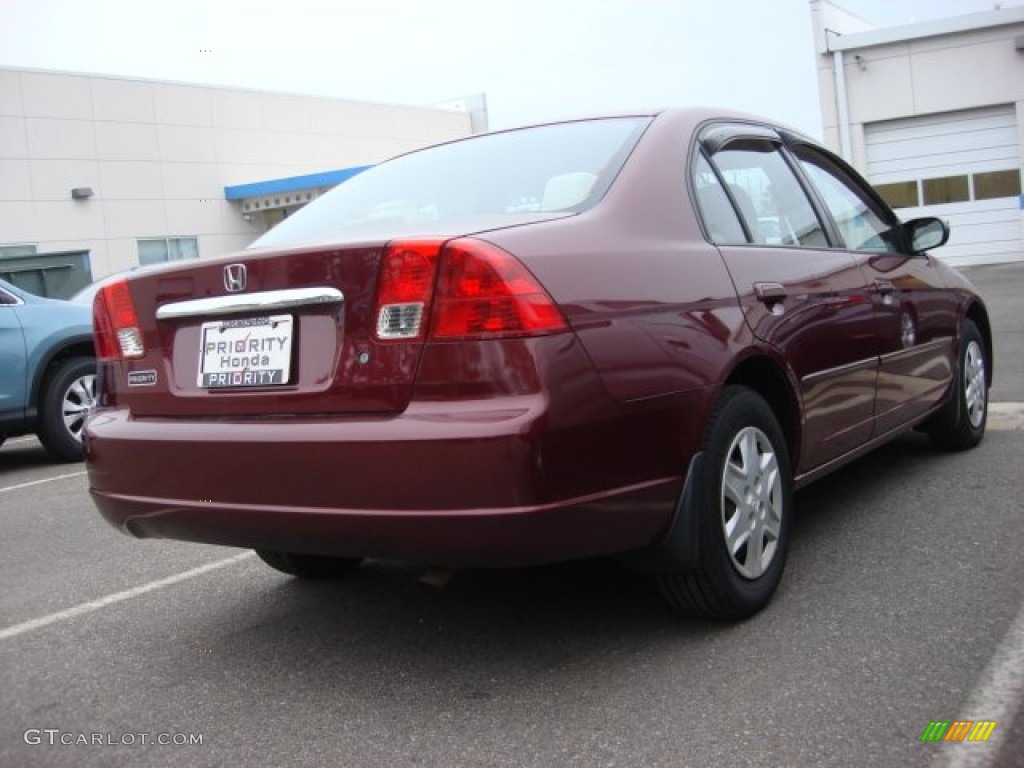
(359, 487)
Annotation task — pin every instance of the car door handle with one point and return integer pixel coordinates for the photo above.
(770, 293)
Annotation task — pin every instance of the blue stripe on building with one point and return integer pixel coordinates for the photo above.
(292, 183)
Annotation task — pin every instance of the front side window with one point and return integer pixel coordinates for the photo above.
(774, 208)
(861, 223)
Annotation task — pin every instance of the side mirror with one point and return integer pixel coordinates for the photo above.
(924, 234)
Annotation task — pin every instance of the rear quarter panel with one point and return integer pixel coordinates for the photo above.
(649, 298)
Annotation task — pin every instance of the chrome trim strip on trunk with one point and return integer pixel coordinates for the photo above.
(267, 301)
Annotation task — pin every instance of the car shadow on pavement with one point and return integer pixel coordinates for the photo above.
(599, 595)
(599, 598)
(861, 481)
(26, 454)
(382, 638)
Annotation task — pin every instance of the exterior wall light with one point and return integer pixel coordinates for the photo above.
(81, 193)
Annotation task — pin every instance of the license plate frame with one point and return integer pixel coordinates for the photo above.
(243, 353)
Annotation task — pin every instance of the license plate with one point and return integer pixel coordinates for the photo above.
(250, 352)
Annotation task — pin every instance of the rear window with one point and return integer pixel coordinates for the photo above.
(563, 167)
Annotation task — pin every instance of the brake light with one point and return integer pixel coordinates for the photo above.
(407, 276)
(116, 324)
(484, 292)
(481, 292)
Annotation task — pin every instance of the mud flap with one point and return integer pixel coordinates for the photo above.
(680, 548)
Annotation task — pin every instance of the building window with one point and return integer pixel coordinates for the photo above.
(902, 194)
(14, 251)
(160, 249)
(988, 186)
(950, 189)
(274, 216)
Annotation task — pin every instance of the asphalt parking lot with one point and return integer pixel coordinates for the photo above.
(901, 605)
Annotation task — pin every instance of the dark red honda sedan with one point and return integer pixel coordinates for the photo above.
(628, 336)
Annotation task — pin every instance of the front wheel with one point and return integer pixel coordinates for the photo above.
(744, 490)
(69, 396)
(969, 397)
(309, 566)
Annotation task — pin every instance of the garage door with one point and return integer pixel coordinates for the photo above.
(964, 167)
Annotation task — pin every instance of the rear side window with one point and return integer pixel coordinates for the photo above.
(720, 220)
(562, 167)
(770, 199)
(764, 191)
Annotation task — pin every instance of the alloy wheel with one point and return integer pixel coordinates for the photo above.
(79, 401)
(751, 502)
(974, 383)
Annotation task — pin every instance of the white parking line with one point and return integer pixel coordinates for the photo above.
(997, 696)
(16, 440)
(40, 482)
(118, 597)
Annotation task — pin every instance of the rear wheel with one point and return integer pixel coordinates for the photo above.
(69, 396)
(970, 390)
(744, 489)
(309, 566)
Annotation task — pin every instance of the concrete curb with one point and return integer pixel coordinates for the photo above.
(1006, 416)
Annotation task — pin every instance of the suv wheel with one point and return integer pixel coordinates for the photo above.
(69, 396)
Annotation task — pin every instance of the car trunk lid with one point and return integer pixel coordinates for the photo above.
(265, 333)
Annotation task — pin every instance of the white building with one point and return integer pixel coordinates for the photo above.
(140, 171)
(933, 115)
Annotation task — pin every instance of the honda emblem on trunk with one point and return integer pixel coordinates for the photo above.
(234, 277)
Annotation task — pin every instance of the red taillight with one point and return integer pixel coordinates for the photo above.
(481, 292)
(116, 324)
(407, 275)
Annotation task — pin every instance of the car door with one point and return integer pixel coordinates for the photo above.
(805, 298)
(915, 323)
(12, 358)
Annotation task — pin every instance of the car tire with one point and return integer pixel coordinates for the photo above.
(68, 397)
(744, 510)
(967, 414)
(309, 566)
